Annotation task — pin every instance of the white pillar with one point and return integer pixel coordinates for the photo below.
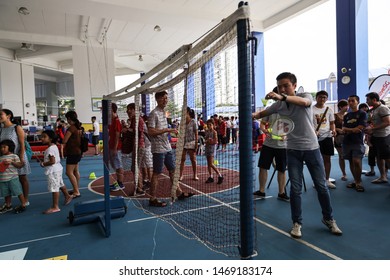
(17, 91)
(94, 76)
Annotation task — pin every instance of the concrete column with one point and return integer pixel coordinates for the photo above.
(94, 77)
(352, 48)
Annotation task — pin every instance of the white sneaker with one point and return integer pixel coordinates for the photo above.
(330, 185)
(331, 224)
(296, 231)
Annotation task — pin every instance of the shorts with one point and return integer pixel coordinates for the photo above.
(145, 158)
(95, 139)
(73, 159)
(210, 150)
(11, 187)
(267, 156)
(161, 159)
(326, 146)
(382, 146)
(353, 151)
(338, 140)
(115, 160)
(55, 181)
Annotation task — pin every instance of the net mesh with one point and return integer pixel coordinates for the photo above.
(212, 215)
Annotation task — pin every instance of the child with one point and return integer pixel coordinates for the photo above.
(9, 178)
(211, 139)
(53, 170)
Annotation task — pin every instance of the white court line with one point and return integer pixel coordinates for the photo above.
(36, 240)
(312, 246)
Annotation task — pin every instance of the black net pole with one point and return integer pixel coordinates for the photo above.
(106, 120)
(245, 138)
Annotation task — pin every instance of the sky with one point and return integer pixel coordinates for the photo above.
(306, 44)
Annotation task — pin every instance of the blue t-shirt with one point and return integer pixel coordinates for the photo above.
(352, 120)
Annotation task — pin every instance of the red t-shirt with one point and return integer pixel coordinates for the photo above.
(113, 128)
(222, 128)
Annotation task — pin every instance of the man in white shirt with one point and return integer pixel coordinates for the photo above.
(96, 134)
(323, 122)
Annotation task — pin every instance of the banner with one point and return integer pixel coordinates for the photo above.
(381, 85)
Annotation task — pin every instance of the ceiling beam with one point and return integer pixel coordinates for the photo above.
(45, 50)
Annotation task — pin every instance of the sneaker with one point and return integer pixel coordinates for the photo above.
(115, 187)
(27, 203)
(4, 209)
(20, 209)
(220, 180)
(331, 224)
(259, 193)
(121, 186)
(283, 196)
(210, 180)
(146, 185)
(296, 231)
(330, 185)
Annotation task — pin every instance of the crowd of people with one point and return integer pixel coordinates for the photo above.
(312, 143)
(63, 141)
(155, 149)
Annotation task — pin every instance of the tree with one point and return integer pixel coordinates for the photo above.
(172, 109)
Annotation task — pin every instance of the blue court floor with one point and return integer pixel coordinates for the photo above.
(363, 218)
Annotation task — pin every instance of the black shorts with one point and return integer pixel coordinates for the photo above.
(73, 159)
(267, 156)
(382, 146)
(95, 139)
(326, 146)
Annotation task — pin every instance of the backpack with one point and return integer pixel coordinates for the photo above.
(28, 150)
(27, 146)
(83, 143)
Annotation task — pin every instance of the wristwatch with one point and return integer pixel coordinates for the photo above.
(284, 96)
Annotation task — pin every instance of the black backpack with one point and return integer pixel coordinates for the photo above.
(83, 143)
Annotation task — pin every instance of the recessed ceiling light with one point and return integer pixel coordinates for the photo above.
(157, 28)
(23, 11)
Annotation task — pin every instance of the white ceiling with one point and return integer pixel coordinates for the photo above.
(53, 26)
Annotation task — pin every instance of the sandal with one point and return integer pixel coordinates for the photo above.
(351, 186)
(51, 210)
(69, 200)
(184, 195)
(359, 188)
(379, 181)
(344, 178)
(157, 203)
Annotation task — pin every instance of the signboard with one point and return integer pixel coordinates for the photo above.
(381, 85)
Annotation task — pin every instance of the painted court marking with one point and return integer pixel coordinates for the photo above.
(303, 242)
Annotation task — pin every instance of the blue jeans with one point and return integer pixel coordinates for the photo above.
(315, 164)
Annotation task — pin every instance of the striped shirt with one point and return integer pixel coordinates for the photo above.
(11, 172)
(157, 120)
